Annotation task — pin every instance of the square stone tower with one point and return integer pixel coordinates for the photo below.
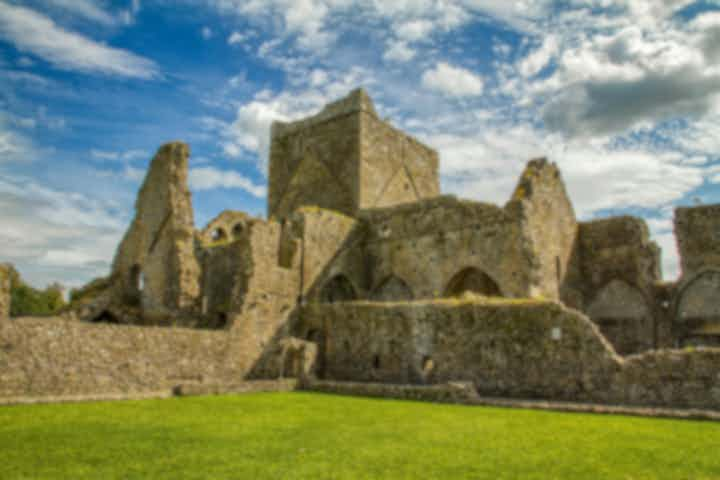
(346, 159)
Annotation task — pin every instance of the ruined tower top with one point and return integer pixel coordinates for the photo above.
(346, 159)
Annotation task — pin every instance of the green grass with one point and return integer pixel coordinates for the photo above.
(304, 435)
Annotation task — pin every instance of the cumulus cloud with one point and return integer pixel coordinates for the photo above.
(539, 58)
(236, 37)
(594, 108)
(33, 32)
(398, 51)
(208, 178)
(55, 236)
(451, 80)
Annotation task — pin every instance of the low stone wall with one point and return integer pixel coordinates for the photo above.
(4, 293)
(55, 357)
(457, 392)
(521, 349)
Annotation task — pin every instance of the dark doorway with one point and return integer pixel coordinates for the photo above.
(472, 280)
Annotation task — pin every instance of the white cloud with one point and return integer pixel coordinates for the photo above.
(454, 81)
(207, 178)
(85, 8)
(398, 51)
(236, 37)
(52, 235)
(414, 30)
(127, 155)
(33, 32)
(206, 33)
(539, 58)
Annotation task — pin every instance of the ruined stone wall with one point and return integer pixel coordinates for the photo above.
(264, 296)
(550, 223)
(4, 292)
(156, 259)
(226, 227)
(330, 247)
(394, 167)
(51, 356)
(617, 248)
(315, 161)
(345, 158)
(516, 348)
(223, 275)
(427, 244)
(697, 231)
(696, 310)
(620, 268)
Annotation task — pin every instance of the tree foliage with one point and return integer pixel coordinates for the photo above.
(26, 300)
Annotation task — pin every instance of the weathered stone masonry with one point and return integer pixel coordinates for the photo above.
(364, 272)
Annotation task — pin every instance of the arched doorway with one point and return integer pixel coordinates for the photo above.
(473, 280)
(622, 313)
(392, 289)
(697, 318)
(338, 289)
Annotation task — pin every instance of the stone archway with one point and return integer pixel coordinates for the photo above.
(697, 313)
(338, 289)
(621, 312)
(392, 289)
(472, 279)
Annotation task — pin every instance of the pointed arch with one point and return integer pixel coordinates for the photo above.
(624, 317)
(338, 289)
(472, 279)
(393, 288)
(697, 301)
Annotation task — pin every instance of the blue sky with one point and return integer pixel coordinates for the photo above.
(623, 95)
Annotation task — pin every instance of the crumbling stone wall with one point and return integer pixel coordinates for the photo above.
(549, 220)
(156, 260)
(345, 158)
(264, 296)
(697, 310)
(228, 226)
(395, 167)
(429, 243)
(516, 348)
(697, 231)
(4, 292)
(52, 356)
(619, 270)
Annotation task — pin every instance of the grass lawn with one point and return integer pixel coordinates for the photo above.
(306, 435)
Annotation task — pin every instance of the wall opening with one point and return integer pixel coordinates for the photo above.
(624, 318)
(218, 235)
(105, 317)
(472, 280)
(238, 230)
(376, 362)
(338, 289)
(136, 284)
(136, 278)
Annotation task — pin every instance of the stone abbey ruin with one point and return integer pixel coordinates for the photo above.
(364, 273)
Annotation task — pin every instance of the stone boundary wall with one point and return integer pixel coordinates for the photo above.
(464, 393)
(457, 392)
(507, 348)
(57, 357)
